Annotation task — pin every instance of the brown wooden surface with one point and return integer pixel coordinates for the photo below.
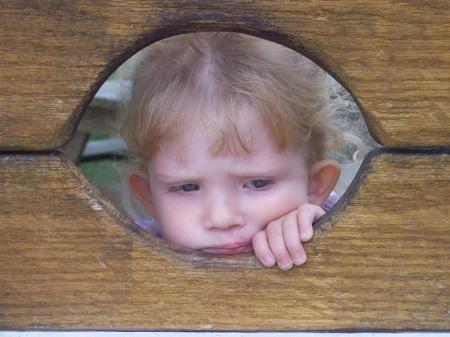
(394, 56)
(382, 261)
(70, 260)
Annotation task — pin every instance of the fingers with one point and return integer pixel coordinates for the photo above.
(280, 243)
(262, 249)
(281, 240)
(306, 215)
(292, 241)
(275, 237)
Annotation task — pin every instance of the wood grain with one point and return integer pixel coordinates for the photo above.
(69, 260)
(393, 56)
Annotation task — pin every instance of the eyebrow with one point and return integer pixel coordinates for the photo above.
(174, 177)
(270, 172)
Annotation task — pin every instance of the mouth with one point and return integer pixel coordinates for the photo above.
(233, 248)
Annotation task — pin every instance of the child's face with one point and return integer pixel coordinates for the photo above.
(217, 203)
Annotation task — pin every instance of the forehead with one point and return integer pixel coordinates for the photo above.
(220, 133)
(191, 150)
(235, 137)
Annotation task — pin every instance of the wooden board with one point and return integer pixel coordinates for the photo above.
(69, 260)
(394, 57)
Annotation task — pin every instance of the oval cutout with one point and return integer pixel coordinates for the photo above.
(96, 146)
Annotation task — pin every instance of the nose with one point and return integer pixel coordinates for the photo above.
(222, 212)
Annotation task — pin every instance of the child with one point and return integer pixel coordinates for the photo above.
(230, 137)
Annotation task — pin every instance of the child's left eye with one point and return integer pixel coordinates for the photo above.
(184, 188)
(257, 183)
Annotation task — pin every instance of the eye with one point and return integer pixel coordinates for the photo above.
(189, 187)
(257, 184)
(184, 188)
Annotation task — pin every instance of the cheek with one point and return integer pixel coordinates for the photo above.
(177, 221)
(264, 209)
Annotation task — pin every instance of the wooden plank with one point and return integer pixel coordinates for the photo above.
(393, 56)
(69, 260)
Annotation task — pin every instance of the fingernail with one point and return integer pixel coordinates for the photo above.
(268, 261)
(307, 234)
(298, 259)
(285, 264)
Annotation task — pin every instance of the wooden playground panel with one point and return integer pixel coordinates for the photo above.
(380, 260)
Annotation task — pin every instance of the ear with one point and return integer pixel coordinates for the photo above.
(323, 178)
(139, 185)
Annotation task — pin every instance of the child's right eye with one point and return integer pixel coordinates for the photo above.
(258, 184)
(184, 188)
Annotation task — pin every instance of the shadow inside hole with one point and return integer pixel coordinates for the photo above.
(101, 154)
(96, 145)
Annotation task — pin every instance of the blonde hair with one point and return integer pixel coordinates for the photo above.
(214, 73)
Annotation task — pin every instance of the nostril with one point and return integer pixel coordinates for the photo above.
(223, 226)
(221, 213)
(235, 226)
(224, 220)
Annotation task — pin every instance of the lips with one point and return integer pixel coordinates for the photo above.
(233, 248)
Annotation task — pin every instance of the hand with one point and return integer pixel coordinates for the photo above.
(281, 240)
